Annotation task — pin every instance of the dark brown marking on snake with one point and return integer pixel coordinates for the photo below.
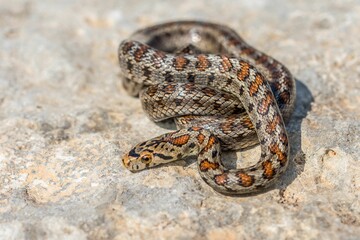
(284, 139)
(275, 86)
(203, 62)
(147, 72)
(178, 101)
(180, 63)
(160, 103)
(127, 46)
(140, 52)
(192, 145)
(245, 180)
(229, 81)
(229, 37)
(241, 90)
(162, 156)
(191, 78)
(261, 59)
(247, 122)
(248, 51)
(214, 153)
(209, 92)
(284, 98)
(250, 107)
(258, 125)
(211, 77)
(276, 74)
(205, 165)
(169, 88)
(151, 91)
(190, 49)
(217, 105)
(269, 171)
(255, 85)
(129, 66)
(134, 154)
(169, 77)
(281, 156)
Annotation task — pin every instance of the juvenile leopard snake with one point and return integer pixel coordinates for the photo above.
(220, 90)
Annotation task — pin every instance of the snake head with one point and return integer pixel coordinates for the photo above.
(137, 161)
(146, 155)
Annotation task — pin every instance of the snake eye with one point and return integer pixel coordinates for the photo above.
(146, 158)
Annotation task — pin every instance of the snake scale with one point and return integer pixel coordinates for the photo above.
(221, 92)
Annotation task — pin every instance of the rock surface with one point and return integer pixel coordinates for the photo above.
(65, 122)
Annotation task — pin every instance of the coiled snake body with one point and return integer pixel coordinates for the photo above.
(220, 90)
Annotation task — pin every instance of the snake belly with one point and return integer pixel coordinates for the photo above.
(222, 92)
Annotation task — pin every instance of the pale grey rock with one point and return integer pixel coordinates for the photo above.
(65, 122)
(12, 230)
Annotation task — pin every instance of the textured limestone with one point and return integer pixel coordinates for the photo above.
(65, 121)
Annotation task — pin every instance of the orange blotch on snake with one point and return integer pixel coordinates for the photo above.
(245, 179)
(265, 104)
(282, 157)
(169, 88)
(247, 122)
(200, 138)
(254, 86)
(203, 63)
(180, 63)
(225, 64)
(195, 128)
(205, 166)
(268, 170)
(210, 144)
(181, 140)
(221, 179)
(243, 73)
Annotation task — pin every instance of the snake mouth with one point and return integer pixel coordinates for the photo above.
(129, 165)
(135, 168)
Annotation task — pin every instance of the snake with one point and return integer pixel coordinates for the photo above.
(223, 95)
